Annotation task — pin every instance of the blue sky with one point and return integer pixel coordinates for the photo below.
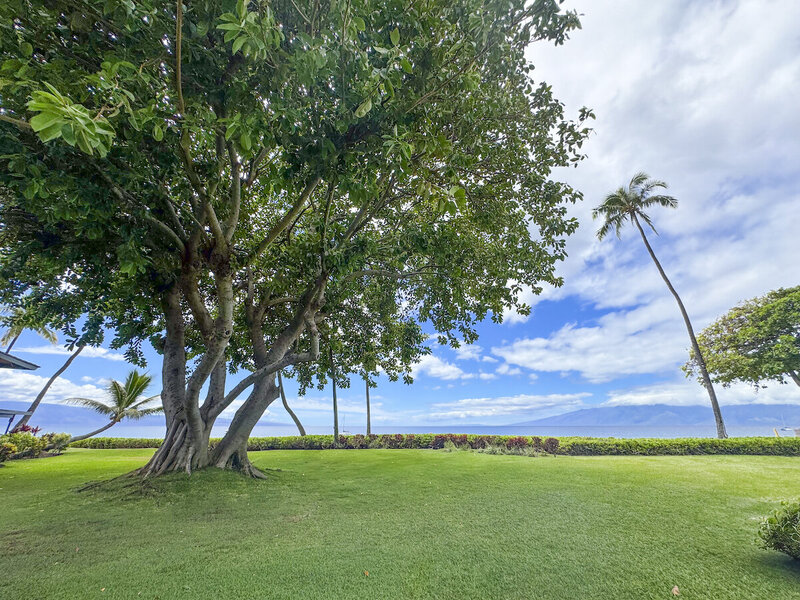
(700, 94)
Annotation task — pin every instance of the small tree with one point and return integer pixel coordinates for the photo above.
(756, 341)
(124, 401)
(628, 204)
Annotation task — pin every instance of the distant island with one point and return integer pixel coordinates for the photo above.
(653, 415)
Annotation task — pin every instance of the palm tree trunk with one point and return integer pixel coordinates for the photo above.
(38, 400)
(369, 427)
(335, 405)
(794, 377)
(289, 410)
(93, 433)
(14, 341)
(721, 432)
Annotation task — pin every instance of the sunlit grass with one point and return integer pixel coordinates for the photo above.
(422, 524)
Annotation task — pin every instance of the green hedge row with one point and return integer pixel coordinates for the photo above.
(573, 446)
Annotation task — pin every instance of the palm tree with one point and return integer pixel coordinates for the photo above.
(629, 204)
(10, 337)
(17, 326)
(124, 401)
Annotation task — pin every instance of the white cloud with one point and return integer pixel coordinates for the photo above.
(530, 406)
(434, 366)
(693, 94)
(87, 352)
(487, 376)
(468, 352)
(506, 369)
(687, 393)
(19, 386)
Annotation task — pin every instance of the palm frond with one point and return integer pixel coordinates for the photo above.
(96, 405)
(135, 413)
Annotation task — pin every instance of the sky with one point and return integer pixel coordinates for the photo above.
(702, 95)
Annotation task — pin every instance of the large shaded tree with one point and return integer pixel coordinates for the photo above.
(628, 205)
(754, 342)
(235, 181)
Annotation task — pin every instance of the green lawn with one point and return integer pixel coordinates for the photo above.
(424, 524)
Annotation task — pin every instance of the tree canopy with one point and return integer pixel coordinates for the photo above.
(754, 342)
(238, 182)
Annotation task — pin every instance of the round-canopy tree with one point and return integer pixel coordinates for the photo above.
(756, 341)
(235, 181)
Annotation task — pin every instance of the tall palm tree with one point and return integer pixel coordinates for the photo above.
(124, 401)
(628, 204)
(10, 337)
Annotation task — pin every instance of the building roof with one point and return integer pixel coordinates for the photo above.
(12, 362)
(6, 413)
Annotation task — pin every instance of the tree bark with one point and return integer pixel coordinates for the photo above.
(32, 408)
(721, 432)
(286, 406)
(369, 427)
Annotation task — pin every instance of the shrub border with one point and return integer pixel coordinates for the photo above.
(569, 446)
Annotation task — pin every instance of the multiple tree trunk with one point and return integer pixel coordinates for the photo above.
(721, 432)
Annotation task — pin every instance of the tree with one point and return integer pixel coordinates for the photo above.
(628, 204)
(20, 320)
(297, 422)
(231, 181)
(40, 396)
(756, 341)
(123, 401)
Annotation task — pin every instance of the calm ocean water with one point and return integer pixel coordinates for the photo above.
(133, 430)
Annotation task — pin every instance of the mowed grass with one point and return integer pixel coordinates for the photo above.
(421, 523)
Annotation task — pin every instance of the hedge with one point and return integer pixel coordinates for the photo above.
(571, 446)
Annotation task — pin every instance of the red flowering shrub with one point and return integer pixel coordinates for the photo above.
(480, 441)
(537, 442)
(27, 429)
(551, 445)
(438, 441)
(517, 442)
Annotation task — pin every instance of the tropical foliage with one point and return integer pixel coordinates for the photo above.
(123, 401)
(754, 342)
(239, 182)
(628, 205)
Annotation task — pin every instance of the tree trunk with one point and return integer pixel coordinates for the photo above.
(32, 408)
(93, 433)
(721, 432)
(794, 377)
(335, 406)
(286, 406)
(14, 341)
(369, 427)
(231, 452)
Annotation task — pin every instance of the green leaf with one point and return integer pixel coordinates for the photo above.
(359, 23)
(51, 132)
(244, 141)
(158, 133)
(363, 108)
(44, 120)
(238, 43)
(395, 36)
(406, 65)
(26, 49)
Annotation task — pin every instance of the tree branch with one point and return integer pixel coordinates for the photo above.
(286, 219)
